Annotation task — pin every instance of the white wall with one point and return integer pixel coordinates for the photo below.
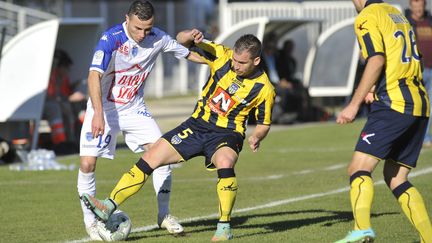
(24, 71)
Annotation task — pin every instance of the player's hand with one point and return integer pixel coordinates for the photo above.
(254, 143)
(369, 98)
(347, 115)
(197, 36)
(98, 125)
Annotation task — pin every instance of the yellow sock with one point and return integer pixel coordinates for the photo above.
(227, 191)
(361, 195)
(414, 208)
(130, 183)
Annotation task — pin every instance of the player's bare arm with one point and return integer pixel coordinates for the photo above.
(370, 97)
(193, 57)
(259, 133)
(371, 74)
(186, 38)
(95, 93)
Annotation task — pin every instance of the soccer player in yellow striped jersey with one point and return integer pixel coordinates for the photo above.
(216, 129)
(229, 95)
(399, 111)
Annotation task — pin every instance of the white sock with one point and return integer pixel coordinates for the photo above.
(162, 186)
(87, 184)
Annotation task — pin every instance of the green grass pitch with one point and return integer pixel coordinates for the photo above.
(295, 189)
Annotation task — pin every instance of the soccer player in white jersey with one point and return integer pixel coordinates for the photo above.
(122, 61)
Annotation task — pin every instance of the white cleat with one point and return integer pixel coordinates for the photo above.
(170, 223)
(93, 232)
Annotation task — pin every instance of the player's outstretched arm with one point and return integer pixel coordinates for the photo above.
(259, 133)
(187, 37)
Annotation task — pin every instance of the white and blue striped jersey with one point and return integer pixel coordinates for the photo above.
(125, 65)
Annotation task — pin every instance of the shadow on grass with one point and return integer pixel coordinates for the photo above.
(241, 222)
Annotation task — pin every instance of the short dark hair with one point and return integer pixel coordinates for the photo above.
(142, 9)
(248, 43)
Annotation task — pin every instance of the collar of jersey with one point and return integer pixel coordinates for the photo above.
(255, 74)
(372, 1)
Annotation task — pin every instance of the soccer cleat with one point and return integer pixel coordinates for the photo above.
(92, 231)
(101, 208)
(358, 236)
(223, 232)
(170, 223)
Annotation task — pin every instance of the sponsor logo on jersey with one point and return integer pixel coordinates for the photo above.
(126, 87)
(98, 57)
(104, 38)
(88, 146)
(238, 82)
(365, 137)
(176, 139)
(221, 102)
(118, 32)
(144, 113)
(124, 49)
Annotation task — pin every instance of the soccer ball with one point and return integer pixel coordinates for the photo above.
(116, 228)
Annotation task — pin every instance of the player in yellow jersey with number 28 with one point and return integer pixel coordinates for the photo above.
(392, 83)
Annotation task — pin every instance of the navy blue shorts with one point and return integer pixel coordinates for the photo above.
(195, 137)
(391, 135)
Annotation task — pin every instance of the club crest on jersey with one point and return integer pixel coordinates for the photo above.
(176, 139)
(134, 51)
(233, 88)
(89, 136)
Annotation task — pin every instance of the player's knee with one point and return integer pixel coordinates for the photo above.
(224, 164)
(88, 164)
(150, 158)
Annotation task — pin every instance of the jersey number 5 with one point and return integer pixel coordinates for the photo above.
(405, 57)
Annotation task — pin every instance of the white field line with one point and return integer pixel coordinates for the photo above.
(268, 205)
(259, 178)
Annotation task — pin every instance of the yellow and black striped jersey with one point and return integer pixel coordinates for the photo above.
(226, 98)
(381, 29)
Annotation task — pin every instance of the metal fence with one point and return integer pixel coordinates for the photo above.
(18, 18)
(330, 12)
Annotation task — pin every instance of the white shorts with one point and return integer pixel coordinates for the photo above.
(138, 128)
